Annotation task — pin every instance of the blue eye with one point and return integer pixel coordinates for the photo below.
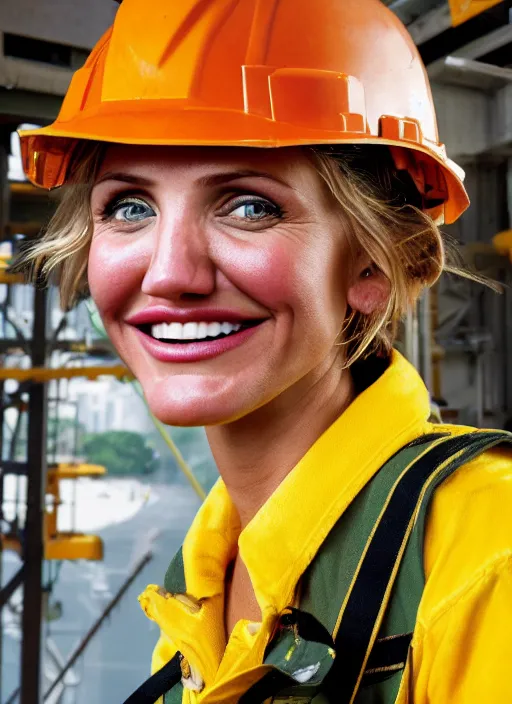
(255, 210)
(131, 210)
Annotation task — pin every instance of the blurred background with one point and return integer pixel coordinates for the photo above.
(95, 494)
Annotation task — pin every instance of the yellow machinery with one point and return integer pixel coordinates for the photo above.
(59, 545)
(42, 374)
(463, 10)
(503, 243)
(6, 278)
(68, 546)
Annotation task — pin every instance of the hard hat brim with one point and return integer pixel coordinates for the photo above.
(47, 151)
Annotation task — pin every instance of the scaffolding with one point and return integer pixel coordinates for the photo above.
(36, 537)
(33, 533)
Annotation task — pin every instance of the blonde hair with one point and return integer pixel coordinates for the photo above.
(380, 205)
(63, 248)
(383, 210)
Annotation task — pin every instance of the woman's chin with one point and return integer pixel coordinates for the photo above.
(188, 409)
(189, 416)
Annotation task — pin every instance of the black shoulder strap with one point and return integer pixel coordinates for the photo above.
(369, 597)
(158, 684)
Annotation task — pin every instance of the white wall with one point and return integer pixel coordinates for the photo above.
(463, 119)
(110, 405)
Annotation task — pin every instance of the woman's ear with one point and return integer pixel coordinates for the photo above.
(369, 291)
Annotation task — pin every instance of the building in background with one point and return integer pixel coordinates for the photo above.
(110, 405)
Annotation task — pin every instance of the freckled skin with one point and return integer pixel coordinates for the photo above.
(293, 272)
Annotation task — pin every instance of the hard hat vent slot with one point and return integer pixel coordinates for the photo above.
(399, 128)
(256, 90)
(318, 99)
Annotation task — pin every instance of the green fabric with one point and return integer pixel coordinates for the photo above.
(175, 695)
(408, 588)
(292, 654)
(327, 580)
(174, 581)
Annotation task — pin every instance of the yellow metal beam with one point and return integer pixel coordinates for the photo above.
(41, 374)
(6, 278)
(27, 189)
(12, 543)
(73, 546)
(73, 471)
(68, 546)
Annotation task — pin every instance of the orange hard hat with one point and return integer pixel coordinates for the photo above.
(256, 73)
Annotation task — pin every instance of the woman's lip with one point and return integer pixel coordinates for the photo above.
(194, 351)
(162, 314)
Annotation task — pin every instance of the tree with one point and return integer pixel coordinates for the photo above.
(121, 452)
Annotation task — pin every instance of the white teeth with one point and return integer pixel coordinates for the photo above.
(174, 331)
(214, 329)
(157, 330)
(192, 331)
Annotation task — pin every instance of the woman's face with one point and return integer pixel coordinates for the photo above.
(220, 275)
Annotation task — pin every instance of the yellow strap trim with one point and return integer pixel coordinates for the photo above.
(377, 522)
(387, 668)
(387, 594)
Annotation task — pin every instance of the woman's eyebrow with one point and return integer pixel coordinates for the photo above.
(203, 181)
(125, 178)
(226, 177)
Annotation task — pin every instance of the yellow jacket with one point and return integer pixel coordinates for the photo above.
(462, 644)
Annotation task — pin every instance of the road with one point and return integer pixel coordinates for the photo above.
(117, 659)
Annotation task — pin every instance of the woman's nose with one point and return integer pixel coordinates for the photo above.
(180, 264)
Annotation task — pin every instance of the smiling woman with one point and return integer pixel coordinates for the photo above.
(256, 291)
(275, 243)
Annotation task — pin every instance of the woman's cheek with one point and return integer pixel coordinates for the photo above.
(115, 272)
(300, 277)
(269, 274)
